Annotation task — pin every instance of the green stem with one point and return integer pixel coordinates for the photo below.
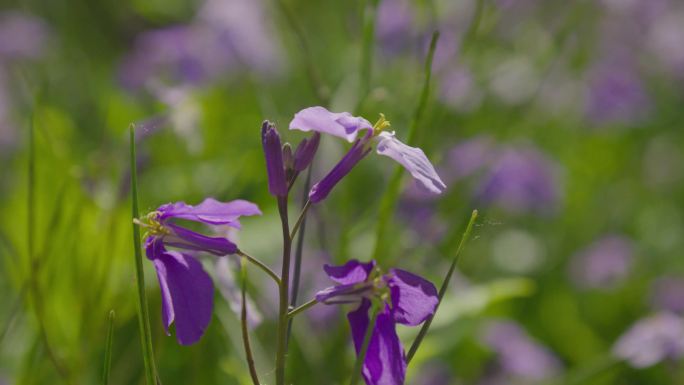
(245, 330)
(260, 265)
(284, 289)
(389, 199)
(301, 308)
(300, 220)
(442, 290)
(367, 48)
(108, 348)
(358, 364)
(143, 312)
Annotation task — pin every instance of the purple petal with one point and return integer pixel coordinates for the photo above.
(385, 363)
(320, 190)
(319, 119)
(347, 293)
(414, 299)
(187, 295)
(210, 211)
(190, 240)
(350, 273)
(305, 152)
(413, 159)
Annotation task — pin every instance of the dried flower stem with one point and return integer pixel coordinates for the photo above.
(442, 290)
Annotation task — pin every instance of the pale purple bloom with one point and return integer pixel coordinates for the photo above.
(667, 293)
(187, 290)
(603, 263)
(346, 126)
(304, 154)
(522, 179)
(616, 94)
(518, 354)
(394, 25)
(273, 152)
(469, 157)
(23, 36)
(407, 299)
(652, 340)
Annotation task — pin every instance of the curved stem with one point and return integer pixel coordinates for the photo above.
(108, 348)
(300, 220)
(301, 308)
(260, 265)
(243, 321)
(442, 290)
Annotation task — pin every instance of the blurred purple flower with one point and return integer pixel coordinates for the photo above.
(229, 287)
(651, 340)
(394, 25)
(522, 179)
(434, 374)
(187, 290)
(518, 354)
(616, 93)
(405, 298)
(603, 263)
(23, 36)
(469, 157)
(346, 126)
(667, 293)
(458, 89)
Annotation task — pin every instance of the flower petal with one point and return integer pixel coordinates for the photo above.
(319, 119)
(347, 293)
(358, 151)
(413, 159)
(190, 240)
(414, 299)
(351, 272)
(210, 211)
(385, 363)
(187, 295)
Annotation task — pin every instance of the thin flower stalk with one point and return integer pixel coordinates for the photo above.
(284, 288)
(244, 325)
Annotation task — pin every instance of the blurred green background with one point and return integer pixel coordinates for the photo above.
(560, 121)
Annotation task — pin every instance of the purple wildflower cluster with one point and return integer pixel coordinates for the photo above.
(383, 299)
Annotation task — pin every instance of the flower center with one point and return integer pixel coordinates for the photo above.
(152, 224)
(380, 125)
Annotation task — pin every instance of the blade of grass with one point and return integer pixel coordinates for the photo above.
(391, 196)
(143, 313)
(108, 348)
(442, 290)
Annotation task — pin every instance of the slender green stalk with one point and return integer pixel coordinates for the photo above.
(243, 322)
(108, 348)
(260, 265)
(300, 220)
(301, 308)
(442, 290)
(389, 199)
(367, 49)
(299, 249)
(143, 312)
(284, 289)
(358, 364)
(473, 27)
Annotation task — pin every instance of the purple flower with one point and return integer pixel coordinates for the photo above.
(520, 180)
(187, 290)
(273, 152)
(652, 340)
(346, 126)
(23, 36)
(519, 355)
(603, 263)
(668, 294)
(401, 297)
(304, 154)
(394, 25)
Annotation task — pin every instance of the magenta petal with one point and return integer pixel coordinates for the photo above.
(413, 159)
(211, 211)
(351, 272)
(414, 299)
(385, 363)
(187, 295)
(319, 119)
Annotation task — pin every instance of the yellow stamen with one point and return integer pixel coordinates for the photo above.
(152, 224)
(380, 125)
